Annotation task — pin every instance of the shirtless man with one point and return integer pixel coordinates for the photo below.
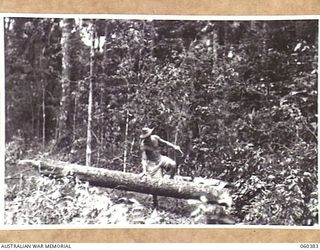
(153, 162)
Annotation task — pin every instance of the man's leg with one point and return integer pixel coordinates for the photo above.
(169, 163)
(173, 169)
(154, 170)
(155, 201)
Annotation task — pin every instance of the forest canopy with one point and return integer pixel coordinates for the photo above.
(239, 97)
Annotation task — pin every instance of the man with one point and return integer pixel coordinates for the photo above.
(153, 162)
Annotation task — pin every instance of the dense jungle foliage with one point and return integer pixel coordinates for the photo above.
(238, 97)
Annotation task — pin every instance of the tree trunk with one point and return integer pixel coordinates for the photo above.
(213, 190)
(263, 47)
(215, 46)
(43, 114)
(101, 127)
(102, 95)
(43, 86)
(89, 132)
(75, 113)
(65, 78)
(125, 153)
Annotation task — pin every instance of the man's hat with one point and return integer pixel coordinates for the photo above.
(146, 132)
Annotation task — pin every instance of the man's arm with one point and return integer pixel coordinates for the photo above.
(167, 143)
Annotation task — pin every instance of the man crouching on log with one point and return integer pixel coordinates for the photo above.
(153, 162)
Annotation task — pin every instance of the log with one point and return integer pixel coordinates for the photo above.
(216, 194)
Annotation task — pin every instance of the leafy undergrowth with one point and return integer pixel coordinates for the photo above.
(276, 202)
(41, 200)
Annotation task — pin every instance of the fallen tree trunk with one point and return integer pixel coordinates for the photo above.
(133, 182)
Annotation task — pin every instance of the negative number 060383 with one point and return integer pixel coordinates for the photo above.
(313, 246)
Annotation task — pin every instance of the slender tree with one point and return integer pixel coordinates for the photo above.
(90, 98)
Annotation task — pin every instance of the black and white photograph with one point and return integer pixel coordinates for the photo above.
(136, 121)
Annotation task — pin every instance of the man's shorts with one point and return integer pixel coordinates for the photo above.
(155, 169)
